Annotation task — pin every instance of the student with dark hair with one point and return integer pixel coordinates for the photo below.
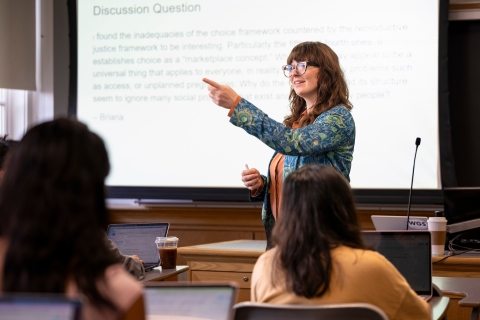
(319, 129)
(320, 257)
(5, 146)
(52, 235)
(133, 264)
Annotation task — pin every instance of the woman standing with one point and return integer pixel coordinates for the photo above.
(319, 129)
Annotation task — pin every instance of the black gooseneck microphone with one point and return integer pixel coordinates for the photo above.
(417, 143)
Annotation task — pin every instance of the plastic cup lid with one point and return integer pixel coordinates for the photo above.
(166, 239)
(435, 219)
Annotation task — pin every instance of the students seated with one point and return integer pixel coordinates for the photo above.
(320, 258)
(53, 220)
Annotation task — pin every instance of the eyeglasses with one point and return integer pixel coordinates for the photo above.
(300, 68)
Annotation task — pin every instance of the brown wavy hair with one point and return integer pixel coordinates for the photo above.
(318, 215)
(332, 87)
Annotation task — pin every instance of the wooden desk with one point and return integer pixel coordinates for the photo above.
(462, 266)
(463, 292)
(224, 261)
(439, 307)
(157, 274)
(198, 223)
(234, 261)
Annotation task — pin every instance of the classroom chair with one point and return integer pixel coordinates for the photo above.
(348, 311)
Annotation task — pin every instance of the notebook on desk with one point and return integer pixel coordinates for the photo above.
(189, 300)
(139, 239)
(409, 252)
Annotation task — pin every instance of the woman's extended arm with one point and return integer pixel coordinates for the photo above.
(333, 129)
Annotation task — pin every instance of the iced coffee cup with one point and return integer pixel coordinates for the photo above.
(438, 228)
(167, 249)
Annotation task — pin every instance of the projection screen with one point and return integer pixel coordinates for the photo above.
(140, 65)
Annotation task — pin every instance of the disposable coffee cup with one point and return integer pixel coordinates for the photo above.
(167, 249)
(438, 228)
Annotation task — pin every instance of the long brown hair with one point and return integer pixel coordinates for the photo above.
(318, 214)
(332, 87)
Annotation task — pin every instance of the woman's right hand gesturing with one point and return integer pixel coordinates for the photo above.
(252, 179)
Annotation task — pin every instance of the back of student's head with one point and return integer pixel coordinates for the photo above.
(52, 210)
(317, 214)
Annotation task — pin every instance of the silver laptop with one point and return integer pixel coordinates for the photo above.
(189, 300)
(139, 239)
(410, 252)
(399, 223)
(38, 307)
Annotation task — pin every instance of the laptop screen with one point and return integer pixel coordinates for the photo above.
(196, 301)
(19, 307)
(409, 252)
(138, 239)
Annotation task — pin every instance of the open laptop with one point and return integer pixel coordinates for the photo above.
(139, 239)
(410, 252)
(399, 223)
(190, 300)
(38, 307)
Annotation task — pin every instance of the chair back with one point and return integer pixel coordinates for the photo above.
(348, 311)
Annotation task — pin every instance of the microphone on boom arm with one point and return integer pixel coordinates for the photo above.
(417, 143)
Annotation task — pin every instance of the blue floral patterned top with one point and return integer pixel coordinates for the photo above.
(329, 141)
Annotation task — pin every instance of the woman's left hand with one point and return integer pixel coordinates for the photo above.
(221, 95)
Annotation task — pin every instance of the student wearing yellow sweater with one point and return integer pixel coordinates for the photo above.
(320, 258)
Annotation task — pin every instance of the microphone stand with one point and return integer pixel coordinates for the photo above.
(417, 143)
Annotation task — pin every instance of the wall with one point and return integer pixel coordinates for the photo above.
(61, 55)
(464, 80)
